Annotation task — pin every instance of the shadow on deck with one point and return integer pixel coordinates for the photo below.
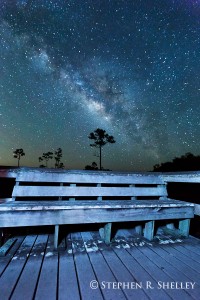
(86, 268)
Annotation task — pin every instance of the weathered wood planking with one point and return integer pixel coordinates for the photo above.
(197, 209)
(190, 254)
(141, 275)
(6, 247)
(174, 250)
(90, 177)
(193, 249)
(139, 264)
(9, 173)
(31, 272)
(187, 177)
(4, 261)
(103, 274)
(6, 200)
(91, 204)
(85, 274)
(80, 216)
(9, 279)
(156, 272)
(179, 265)
(161, 270)
(77, 191)
(68, 284)
(172, 268)
(67, 185)
(122, 275)
(48, 280)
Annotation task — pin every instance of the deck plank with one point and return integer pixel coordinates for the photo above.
(144, 258)
(122, 275)
(67, 274)
(193, 248)
(68, 283)
(31, 271)
(162, 258)
(191, 255)
(141, 274)
(85, 271)
(7, 246)
(174, 250)
(102, 271)
(47, 285)
(178, 264)
(11, 275)
(4, 261)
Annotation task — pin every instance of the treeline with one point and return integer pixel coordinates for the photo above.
(99, 137)
(56, 155)
(187, 162)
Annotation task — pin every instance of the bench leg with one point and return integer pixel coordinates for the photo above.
(184, 227)
(1, 237)
(105, 233)
(56, 237)
(138, 229)
(149, 230)
(170, 226)
(101, 233)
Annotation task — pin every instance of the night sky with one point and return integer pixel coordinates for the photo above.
(131, 68)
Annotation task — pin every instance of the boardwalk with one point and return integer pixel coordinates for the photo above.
(85, 268)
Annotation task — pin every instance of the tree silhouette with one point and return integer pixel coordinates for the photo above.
(18, 153)
(92, 167)
(61, 165)
(57, 157)
(45, 157)
(101, 138)
(187, 162)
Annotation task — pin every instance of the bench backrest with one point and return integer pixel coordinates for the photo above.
(84, 185)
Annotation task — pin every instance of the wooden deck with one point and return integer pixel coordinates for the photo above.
(85, 268)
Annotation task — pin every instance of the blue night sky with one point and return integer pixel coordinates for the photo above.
(129, 67)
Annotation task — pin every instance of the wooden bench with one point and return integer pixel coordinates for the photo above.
(79, 197)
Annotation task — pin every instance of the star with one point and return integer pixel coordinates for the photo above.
(129, 68)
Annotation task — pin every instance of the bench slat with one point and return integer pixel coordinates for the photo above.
(97, 215)
(68, 177)
(90, 204)
(69, 191)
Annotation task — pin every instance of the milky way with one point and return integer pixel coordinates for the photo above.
(129, 67)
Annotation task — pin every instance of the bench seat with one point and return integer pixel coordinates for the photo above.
(34, 213)
(24, 213)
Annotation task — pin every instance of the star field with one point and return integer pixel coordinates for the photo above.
(129, 67)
